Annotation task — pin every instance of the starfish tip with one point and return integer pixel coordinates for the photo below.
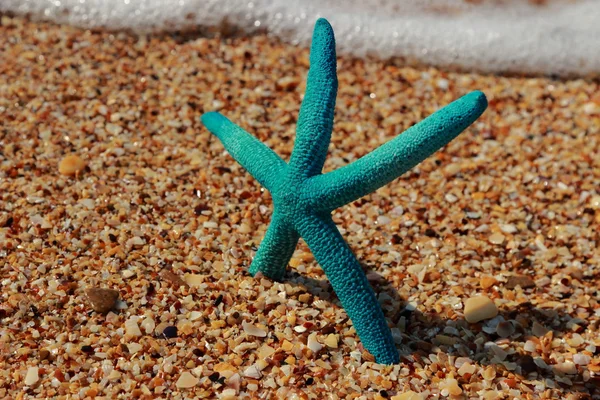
(212, 119)
(322, 23)
(477, 100)
(323, 30)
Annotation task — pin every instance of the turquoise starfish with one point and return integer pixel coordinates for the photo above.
(304, 198)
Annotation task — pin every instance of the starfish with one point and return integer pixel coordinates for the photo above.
(304, 198)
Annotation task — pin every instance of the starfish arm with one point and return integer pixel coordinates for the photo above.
(351, 286)
(395, 157)
(276, 249)
(315, 121)
(258, 159)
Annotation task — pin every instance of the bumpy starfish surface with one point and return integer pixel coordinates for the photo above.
(304, 198)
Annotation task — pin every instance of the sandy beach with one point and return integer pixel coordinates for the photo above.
(126, 230)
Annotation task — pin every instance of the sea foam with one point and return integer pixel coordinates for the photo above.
(551, 37)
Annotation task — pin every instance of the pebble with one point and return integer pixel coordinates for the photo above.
(566, 367)
(193, 280)
(265, 351)
(508, 228)
(288, 83)
(538, 330)
(496, 238)
(443, 84)
(253, 371)
(253, 330)
(581, 359)
(148, 324)
(102, 300)
(332, 341)
(134, 347)
(527, 364)
(44, 354)
(173, 278)
(187, 380)
(32, 376)
(467, 368)
(505, 329)
(480, 308)
(410, 395)
(71, 165)
(520, 280)
(132, 328)
(170, 332)
(450, 387)
(313, 344)
(487, 282)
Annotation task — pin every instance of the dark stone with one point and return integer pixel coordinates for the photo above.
(520, 280)
(170, 332)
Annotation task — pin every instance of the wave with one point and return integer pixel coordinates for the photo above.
(548, 37)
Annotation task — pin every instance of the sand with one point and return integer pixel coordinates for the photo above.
(109, 181)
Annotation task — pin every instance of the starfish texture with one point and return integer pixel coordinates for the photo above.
(304, 198)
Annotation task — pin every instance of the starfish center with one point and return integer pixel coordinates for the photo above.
(288, 200)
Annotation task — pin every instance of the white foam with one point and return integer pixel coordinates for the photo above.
(561, 37)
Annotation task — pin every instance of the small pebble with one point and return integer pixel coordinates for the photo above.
(581, 359)
(132, 328)
(71, 165)
(134, 347)
(87, 349)
(102, 300)
(253, 372)
(496, 238)
(253, 330)
(32, 376)
(193, 280)
(505, 329)
(410, 395)
(566, 367)
(313, 344)
(170, 332)
(450, 387)
(487, 282)
(187, 380)
(520, 280)
(332, 341)
(527, 364)
(508, 228)
(467, 368)
(44, 354)
(173, 278)
(480, 308)
(538, 330)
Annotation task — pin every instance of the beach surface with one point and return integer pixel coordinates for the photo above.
(126, 230)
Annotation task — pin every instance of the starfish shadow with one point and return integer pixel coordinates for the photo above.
(421, 330)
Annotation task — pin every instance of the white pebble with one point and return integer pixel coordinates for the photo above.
(253, 372)
(383, 220)
(32, 376)
(450, 198)
(508, 228)
(581, 359)
(132, 328)
(479, 308)
(253, 330)
(187, 380)
(313, 344)
(442, 84)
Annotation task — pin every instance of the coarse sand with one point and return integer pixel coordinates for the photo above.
(126, 230)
